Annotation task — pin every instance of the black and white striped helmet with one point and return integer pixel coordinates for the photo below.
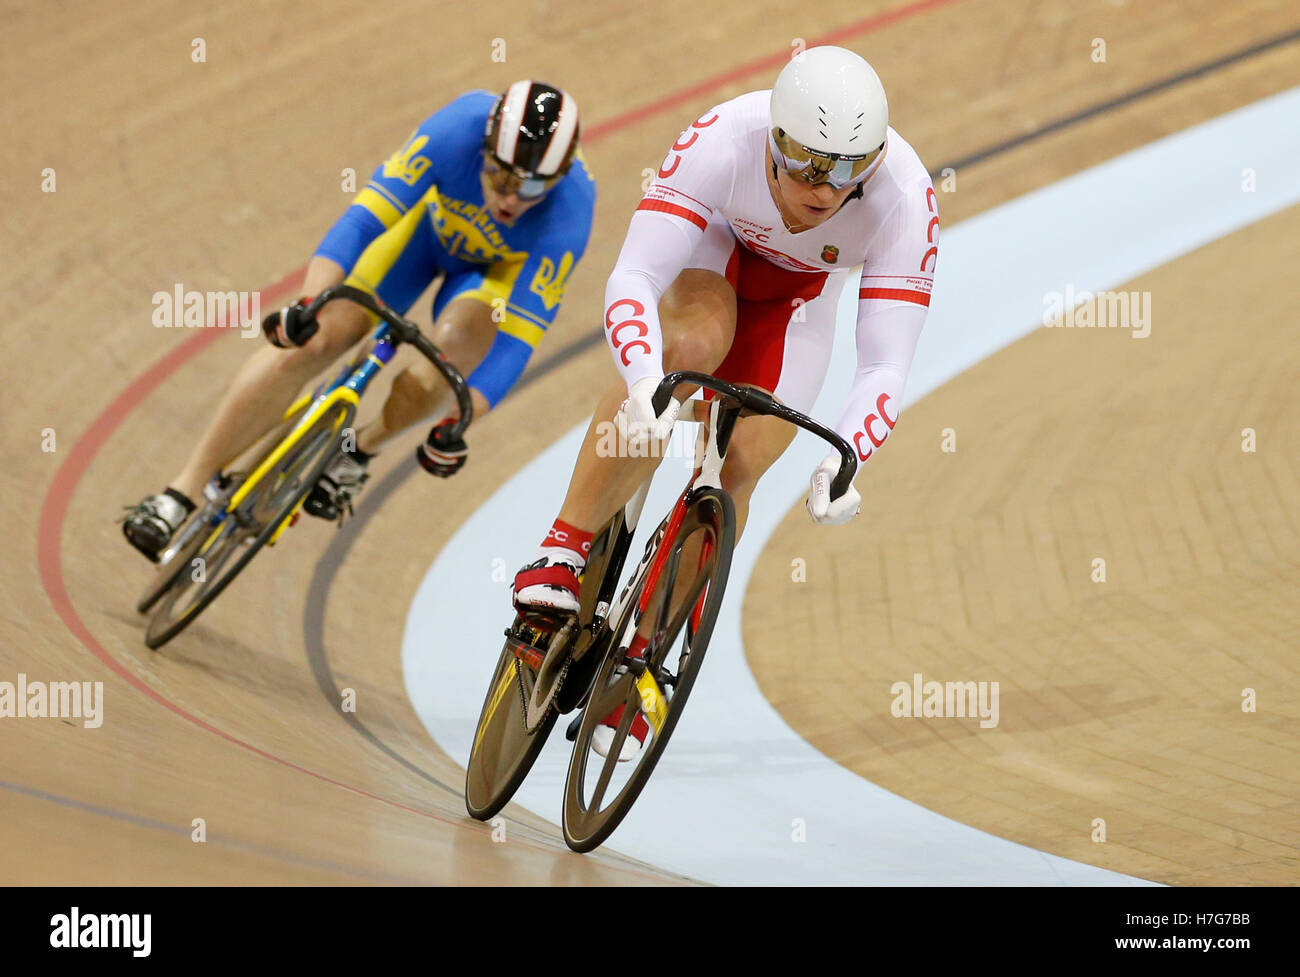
(534, 128)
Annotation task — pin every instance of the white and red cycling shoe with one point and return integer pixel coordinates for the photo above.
(550, 582)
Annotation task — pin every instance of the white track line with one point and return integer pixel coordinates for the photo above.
(721, 804)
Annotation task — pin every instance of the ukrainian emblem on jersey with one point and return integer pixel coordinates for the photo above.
(407, 164)
(550, 282)
(830, 254)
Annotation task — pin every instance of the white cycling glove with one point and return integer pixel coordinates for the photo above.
(637, 424)
(820, 506)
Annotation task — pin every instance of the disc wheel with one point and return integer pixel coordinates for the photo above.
(505, 744)
(599, 791)
(223, 551)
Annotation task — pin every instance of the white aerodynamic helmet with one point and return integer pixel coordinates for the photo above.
(829, 117)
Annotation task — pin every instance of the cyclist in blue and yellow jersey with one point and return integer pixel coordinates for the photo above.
(491, 194)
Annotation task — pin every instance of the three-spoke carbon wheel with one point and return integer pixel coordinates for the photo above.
(216, 556)
(599, 791)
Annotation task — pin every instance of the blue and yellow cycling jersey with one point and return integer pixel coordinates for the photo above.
(422, 215)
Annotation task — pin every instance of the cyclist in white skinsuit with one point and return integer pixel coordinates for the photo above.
(733, 265)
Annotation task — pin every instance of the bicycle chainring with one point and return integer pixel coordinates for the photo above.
(535, 712)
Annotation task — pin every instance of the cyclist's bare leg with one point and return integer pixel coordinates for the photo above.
(464, 332)
(269, 380)
(755, 446)
(698, 318)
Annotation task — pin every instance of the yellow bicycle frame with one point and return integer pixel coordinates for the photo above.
(341, 393)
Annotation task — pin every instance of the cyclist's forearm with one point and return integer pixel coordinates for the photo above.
(632, 330)
(322, 272)
(887, 334)
(657, 248)
(871, 410)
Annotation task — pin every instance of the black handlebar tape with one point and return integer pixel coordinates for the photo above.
(660, 400)
(844, 477)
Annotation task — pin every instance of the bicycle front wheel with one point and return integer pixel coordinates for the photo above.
(183, 550)
(227, 548)
(599, 791)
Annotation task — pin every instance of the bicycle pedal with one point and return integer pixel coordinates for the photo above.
(321, 506)
(547, 622)
(571, 732)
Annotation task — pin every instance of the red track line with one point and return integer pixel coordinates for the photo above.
(767, 62)
(54, 511)
(54, 507)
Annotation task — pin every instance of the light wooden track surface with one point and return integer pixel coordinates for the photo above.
(224, 175)
(1122, 699)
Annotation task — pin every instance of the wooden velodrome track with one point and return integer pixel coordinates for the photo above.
(224, 174)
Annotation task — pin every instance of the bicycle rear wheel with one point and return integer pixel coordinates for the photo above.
(598, 795)
(227, 548)
(504, 747)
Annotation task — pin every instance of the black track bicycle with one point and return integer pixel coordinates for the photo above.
(551, 665)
